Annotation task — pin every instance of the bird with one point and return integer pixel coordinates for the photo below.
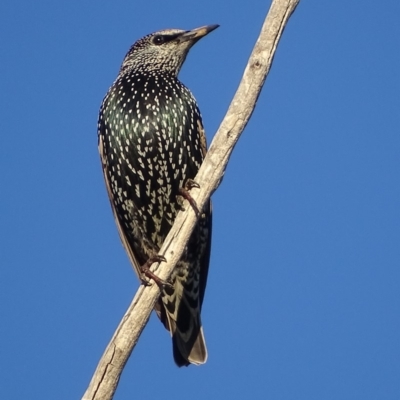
(152, 143)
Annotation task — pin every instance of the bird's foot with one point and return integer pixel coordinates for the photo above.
(184, 192)
(190, 184)
(145, 269)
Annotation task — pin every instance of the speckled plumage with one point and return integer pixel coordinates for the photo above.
(151, 141)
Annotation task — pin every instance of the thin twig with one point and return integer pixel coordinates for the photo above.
(109, 369)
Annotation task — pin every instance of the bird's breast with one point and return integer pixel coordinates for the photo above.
(150, 126)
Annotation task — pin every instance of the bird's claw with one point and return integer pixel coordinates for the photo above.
(149, 274)
(184, 192)
(190, 184)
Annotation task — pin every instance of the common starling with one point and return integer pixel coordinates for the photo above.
(152, 143)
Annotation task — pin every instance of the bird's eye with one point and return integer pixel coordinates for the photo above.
(159, 39)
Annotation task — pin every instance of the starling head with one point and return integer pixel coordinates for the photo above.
(163, 51)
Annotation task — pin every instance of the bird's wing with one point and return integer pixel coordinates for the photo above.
(132, 258)
(206, 221)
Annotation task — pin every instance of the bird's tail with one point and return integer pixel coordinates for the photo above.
(192, 351)
(180, 314)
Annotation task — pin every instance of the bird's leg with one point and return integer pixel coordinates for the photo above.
(184, 192)
(145, 269)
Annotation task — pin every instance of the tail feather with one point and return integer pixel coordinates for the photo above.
(186, 353)
(188, 341)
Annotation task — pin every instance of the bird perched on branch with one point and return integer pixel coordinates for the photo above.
(152, 143)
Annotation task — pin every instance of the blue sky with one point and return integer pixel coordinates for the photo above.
(303, 293)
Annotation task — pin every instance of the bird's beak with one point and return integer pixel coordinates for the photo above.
(196, 34)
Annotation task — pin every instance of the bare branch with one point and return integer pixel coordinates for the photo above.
(109, 369)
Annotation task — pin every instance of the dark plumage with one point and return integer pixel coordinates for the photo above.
(151, 142)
